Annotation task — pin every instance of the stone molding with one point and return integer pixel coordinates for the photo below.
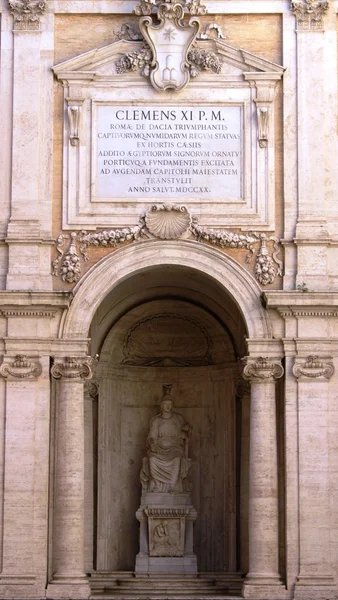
(309, 13)
(167, 222)
(22, 367)
(314, 367)
(262, 369)
(27, 13)
(71, 368)
(307, 312)
(21, 312)
(167, 512)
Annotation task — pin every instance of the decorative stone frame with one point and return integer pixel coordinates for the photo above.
(246, 81)
(130, 260)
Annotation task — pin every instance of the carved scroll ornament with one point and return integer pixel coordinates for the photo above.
(27, 13)
(263, 368)
(21, 367)
(167, 222)
(147, 7)
(313, 367)
(72, 368)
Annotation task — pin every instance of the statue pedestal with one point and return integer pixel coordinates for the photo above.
(166, 534)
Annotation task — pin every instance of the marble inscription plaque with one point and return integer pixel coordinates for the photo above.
(168, 152)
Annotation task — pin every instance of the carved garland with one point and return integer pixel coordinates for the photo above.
(140, 60)
(167, 222)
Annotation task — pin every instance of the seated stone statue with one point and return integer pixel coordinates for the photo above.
(166, 467)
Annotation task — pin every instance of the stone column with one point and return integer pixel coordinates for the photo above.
(263, 580)
(243, 394)
(90, 401)
(316, 578)
(68, 578)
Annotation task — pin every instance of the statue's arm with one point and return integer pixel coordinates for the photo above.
(153, 435)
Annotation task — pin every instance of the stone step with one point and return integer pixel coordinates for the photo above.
(127, 586)
(177, 595)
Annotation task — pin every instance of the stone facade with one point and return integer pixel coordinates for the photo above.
(169, 216)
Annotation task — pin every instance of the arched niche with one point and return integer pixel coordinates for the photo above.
(118, 300)
(175, 341)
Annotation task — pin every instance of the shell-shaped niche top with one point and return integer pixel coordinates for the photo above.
(167, 339)
(168, 221)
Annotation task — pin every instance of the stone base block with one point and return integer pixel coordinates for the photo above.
(264, 587)
(19, 589)
(155, 564)
(317, 587)
(68, 590)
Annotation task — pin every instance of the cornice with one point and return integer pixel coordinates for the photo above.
(298, 303)
(41, 301)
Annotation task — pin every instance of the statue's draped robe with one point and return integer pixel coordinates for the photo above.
(166, 452)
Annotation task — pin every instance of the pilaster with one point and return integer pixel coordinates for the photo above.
(315, 579)
(68, 578)
(263, 580)
(25, 477)
(316, 124)
(29, 228)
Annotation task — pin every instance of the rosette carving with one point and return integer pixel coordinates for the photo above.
(168, 221)
(263, 369)
(72, 368)
(313, 367)
(22, 367)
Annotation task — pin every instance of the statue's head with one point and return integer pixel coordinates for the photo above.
(167, 400)
(167, 403)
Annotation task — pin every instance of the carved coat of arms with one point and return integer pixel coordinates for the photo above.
(170, 41)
